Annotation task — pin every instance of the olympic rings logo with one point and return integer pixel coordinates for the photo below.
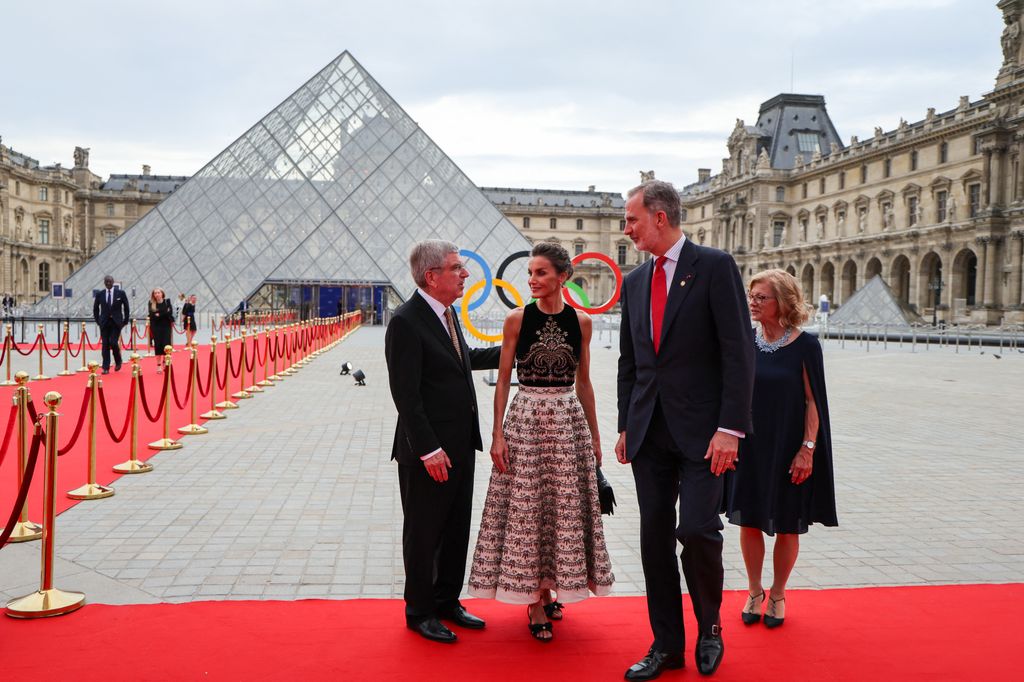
(499, 284)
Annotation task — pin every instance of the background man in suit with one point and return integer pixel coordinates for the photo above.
(438, 434)
(685, 382)
(110, 310)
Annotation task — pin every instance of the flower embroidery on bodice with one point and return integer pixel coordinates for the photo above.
(550, 358)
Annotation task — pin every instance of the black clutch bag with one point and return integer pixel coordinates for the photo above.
(605, 493)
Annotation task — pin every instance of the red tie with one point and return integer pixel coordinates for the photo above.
(658, 295)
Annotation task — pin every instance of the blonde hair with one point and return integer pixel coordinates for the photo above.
(792, 308)
(152, 297)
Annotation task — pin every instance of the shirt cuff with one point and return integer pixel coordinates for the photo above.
(428, 456)
(738, 434)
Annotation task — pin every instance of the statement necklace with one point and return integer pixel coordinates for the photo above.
(772, 346)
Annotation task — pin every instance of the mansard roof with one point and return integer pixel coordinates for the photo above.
(795, 124)
(553, 197)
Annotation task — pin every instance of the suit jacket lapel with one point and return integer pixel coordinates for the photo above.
(644, 316)
(431, 322)
(681, 286)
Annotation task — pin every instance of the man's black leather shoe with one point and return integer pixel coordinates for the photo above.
(117, 367)
(432, 629)
(106, 370)
(710, 649)
(463, 618)
(652, 665)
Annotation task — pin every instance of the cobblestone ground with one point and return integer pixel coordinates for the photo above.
(293, 496)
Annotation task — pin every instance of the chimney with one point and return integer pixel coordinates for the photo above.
(591, 188)
(145, 169)
(703, 174)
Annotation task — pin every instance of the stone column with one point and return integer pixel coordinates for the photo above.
(986, 180)
(1016, 246)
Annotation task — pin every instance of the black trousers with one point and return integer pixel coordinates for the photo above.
(110, 335)
(435, 535)
(664, 475)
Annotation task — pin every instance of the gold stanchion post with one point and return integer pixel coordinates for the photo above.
(133, 465)
(24, 530)
(242, 394)
(214, 413)
(9, 351)
(92, 490)
(84, 367)
(193, 429)
(167, 443)
(67, 348)
(226, 404)
(42, 349)
(47, 600)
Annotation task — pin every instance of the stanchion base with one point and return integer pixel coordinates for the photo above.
(25, 531)
(241, 395)
(227, 405)
(255, 388)
(265, 383)
(91, 491)
(164, 444)
(82, 369)
(65, 373)
(193, 430)
(40, 377)
(8, 382)
(133, 466)
(274, 377)
(213, 414)
(45, 603)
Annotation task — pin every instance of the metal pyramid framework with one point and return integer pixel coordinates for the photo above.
(875, 304)
(334, 185)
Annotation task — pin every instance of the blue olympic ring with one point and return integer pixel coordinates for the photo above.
(488, 280)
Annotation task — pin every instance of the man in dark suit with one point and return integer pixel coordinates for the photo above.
(438, 434)
(110, 310)
(685, 381)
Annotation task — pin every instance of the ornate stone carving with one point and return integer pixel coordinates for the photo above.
(763, 161)
(81, 157)
(646, 176)
(878, 132)
(1010, 39)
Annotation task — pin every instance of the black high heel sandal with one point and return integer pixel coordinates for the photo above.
(537, 628)
(554, 610)
(751, 617)
(772, 621)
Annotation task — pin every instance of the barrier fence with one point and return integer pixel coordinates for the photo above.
(287, 347)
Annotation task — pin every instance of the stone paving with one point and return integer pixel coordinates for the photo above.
(293, 495)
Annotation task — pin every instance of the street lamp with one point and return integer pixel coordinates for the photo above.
(936, 284)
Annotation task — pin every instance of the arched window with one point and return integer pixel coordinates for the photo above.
(526, 222)
(44, 277)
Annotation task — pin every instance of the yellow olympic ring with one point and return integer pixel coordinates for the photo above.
(464, 314)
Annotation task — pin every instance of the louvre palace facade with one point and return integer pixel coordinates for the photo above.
(936, 206)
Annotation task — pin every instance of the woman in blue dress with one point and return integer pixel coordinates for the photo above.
(783, 480)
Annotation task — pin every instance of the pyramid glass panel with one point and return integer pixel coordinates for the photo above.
(332, 186)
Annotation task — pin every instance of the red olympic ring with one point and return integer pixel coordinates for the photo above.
(596, 310)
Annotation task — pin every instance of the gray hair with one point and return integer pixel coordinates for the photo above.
(427, 255)
(660, 196)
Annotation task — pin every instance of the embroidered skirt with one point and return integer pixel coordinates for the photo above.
(541, 527)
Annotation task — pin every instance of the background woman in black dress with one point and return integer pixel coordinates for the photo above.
(161, 316)
(783, 482)
(188, 318)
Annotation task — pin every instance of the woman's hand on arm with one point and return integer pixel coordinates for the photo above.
(803, 462)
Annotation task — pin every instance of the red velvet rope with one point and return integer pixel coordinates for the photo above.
(199, 380)
(92, 346)
(160, 406)
(227, 362)
(7, 433)
(75, 354)
(3, 353)
(78, 427)
(60, 348)
(249, 366)
(174, 389)
(26, 483)
(30, 350)
(106, 416)
(234, 372)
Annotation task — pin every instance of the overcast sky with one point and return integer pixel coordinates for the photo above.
(552, 94)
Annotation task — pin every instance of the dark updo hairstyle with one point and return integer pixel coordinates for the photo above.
(558, 257)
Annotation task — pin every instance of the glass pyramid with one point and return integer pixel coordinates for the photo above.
(875, 304)
(334, 185)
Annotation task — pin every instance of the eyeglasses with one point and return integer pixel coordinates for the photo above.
(759, 299)
(457, 268)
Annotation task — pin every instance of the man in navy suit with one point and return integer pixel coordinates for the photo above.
(436, 439)
(110, 310)
(685, 382)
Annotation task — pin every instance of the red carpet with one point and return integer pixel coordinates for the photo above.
(909, 633)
